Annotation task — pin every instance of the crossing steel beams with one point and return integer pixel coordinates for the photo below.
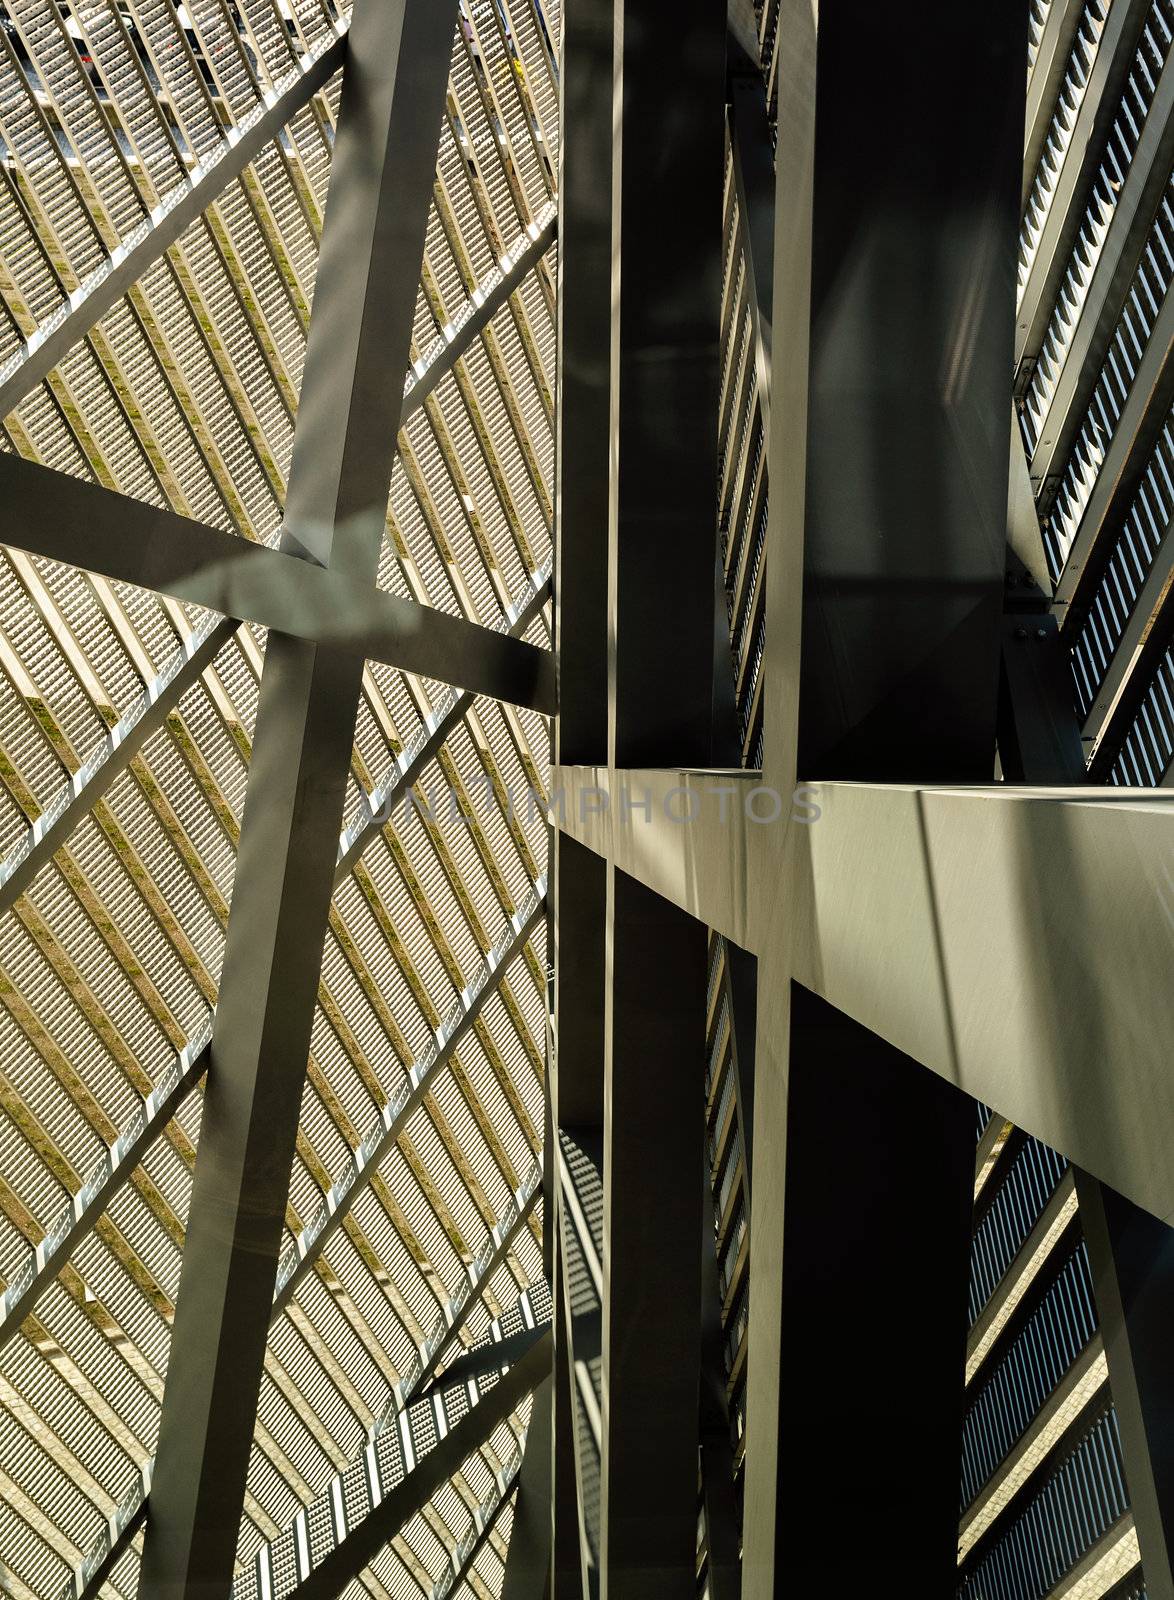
(393, 97)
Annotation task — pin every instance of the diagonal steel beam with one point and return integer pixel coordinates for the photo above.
(520, 1329)
(487, 299)
(390, 1506)
(112, 756)
(115, 1166)
(344, 448)
(363, 1163)
(158, 231)
(97, 773)
(393, 1440)
(133, 542)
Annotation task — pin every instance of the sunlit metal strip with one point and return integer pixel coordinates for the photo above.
(364, 1162)
(105, 286)
(460, 1562)
(112, 1169)
(479, 310)
(422, 748)
(385, 1495)
(115, 753)
(394, 1441)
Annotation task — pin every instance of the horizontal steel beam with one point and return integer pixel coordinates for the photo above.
(1016, 941)
(159, 230)
(83, 524)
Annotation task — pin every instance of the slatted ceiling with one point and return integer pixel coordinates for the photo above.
(1078, 473)
(106, 871)
(464, 221)
(41, 165)
(255, 383)
(76, 106)
(1143, 533)
(415, 536)
(218, 762)
(140, 824)
(1109, 180)
(175, 454)
(1075, 84)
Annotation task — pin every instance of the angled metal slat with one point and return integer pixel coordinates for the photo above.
(158, 232)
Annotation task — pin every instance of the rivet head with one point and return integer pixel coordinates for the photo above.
(1021, 633)
(1041, 633)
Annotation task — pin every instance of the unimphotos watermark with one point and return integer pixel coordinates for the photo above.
(758, 803)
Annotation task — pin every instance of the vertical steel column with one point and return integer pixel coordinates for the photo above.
(651, 1231)
(888, 467)
(575, 1077)
(384, 161)
(665, 294)
(527, 1567)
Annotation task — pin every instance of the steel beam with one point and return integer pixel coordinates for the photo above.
(717, 1455)
(667, 161)
(584, 368)
(289, 591)
(527, 1568)
(666, 260)
(393, 1499)
(652, 1168)
(574, 1080)
(897, 891)
(373, 242)
(131, 259)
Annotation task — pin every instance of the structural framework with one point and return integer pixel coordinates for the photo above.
(788, 1211)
